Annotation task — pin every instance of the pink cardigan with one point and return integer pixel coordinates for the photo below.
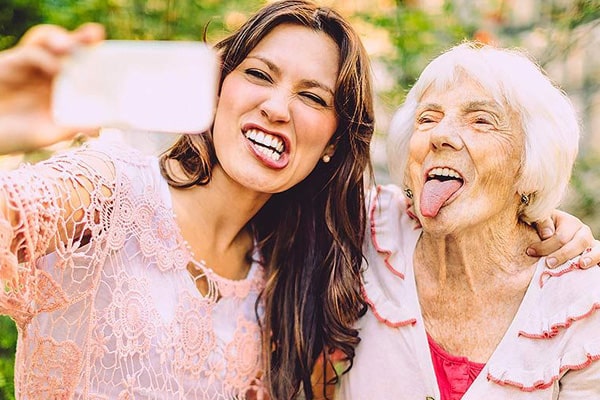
(112, 312)
(550, 351)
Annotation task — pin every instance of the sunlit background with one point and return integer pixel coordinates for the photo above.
(400, 36)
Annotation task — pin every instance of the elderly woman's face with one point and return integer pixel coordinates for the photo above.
(464, 157)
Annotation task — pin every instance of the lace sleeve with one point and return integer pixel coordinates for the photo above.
(55, 206)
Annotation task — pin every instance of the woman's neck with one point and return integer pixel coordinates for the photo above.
(471, 283)
(470, 257)
(214, 220)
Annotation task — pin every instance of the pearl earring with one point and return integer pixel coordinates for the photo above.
(326, 158)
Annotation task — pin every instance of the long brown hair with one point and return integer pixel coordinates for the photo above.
(310, 235)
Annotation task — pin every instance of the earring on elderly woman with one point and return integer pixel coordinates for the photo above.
(525, 199)
(408, 193)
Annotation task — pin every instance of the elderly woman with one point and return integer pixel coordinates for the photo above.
(484, 144)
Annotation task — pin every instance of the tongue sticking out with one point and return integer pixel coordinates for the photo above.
(436, 193)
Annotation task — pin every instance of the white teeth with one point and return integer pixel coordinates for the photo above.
(273, 155)
(270, 145)
(444, 172)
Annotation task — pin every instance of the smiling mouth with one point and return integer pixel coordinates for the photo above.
(271, 146)
(443, 174)
(440, 185)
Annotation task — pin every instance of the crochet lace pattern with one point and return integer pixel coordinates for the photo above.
(95, 274)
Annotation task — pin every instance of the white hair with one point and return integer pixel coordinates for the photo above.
(547, 117)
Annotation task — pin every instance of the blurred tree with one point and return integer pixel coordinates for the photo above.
(8, 340)
(149, 19)
(16, 16)
(417, 36)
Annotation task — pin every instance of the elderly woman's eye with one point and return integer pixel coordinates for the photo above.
(483, 121)
(424, 119)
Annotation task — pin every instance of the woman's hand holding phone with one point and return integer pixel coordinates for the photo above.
(26, 75)
(46, 82)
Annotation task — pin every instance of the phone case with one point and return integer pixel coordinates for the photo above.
(159, 86)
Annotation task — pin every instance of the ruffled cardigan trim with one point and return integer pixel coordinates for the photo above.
(388, 217)
(543, 378)
(387, 208)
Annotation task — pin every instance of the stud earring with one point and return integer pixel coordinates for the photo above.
(408, 193)
(525, 199)
(326, 158)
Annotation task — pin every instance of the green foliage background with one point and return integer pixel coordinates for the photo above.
(415, 37)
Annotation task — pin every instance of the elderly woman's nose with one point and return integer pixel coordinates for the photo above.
(276, 106)
(447, 134)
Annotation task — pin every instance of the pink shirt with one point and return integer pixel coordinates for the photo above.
(454, 374)
(113, 312)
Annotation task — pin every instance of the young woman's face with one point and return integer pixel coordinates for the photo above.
(276, 115)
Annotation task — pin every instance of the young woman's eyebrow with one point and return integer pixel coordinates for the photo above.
(308, 83)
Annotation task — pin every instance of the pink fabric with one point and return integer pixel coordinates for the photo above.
(454, 374)
(102, 297)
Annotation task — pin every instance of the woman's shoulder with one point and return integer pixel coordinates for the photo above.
(390, 213)
(566, 298)
(392, 228)
(393, 233)
(558, 328)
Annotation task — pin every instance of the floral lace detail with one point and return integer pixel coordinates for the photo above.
(111, 312)
(230, 287)
(195, 337)
(49, 296)
(243, 354)
(130, 317)
(52, 372)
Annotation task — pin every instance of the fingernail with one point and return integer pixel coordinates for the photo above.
(585, 261)
(61, 43)
(547, 232)
(551, 262)
(531, 252)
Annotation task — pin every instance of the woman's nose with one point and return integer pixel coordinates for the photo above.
(276, 107)
(447, 134)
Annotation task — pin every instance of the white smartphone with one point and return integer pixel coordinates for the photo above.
(158, 86)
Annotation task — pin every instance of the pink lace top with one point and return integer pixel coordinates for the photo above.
(104, 303)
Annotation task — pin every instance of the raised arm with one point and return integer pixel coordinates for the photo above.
(52, 217)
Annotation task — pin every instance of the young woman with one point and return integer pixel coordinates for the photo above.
(132, 277)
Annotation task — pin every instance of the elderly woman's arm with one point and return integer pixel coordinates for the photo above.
(583, 384)
(570, 239)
